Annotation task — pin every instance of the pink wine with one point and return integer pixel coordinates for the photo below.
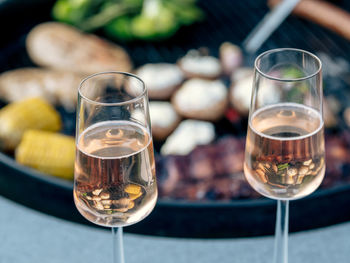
(115, 182)
(285, 151)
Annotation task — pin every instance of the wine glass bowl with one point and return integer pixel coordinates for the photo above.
(285, 150)
(114, 178)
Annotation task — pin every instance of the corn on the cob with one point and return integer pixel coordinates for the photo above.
(33, 113)
(48, 152)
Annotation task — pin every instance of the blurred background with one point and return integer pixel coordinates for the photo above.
(198, 70)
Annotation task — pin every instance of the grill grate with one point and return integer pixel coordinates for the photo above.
(226, 20)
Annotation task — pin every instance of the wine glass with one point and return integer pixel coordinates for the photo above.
(285, 152)
(114, 178)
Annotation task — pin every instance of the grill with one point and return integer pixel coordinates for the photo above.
(226, 20)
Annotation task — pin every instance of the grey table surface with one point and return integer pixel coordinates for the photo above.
(30, 236)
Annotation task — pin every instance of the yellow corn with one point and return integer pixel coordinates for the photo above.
(134, 196)
(48, 152)
(133, 190)
(33, 113)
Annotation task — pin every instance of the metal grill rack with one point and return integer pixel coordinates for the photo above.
(226, 20)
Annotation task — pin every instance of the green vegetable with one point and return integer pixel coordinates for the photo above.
(73, 11)
(187, 15)
(283, 166)
(129, 19)
(120, 28)
(292, 73)
(108, 13)
(297, 89)
(154, 27)
(297, 93)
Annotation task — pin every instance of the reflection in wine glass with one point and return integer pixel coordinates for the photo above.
(114, 179)
(284, 156)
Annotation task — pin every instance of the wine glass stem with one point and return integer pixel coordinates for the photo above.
(281, 234)
(118, 247)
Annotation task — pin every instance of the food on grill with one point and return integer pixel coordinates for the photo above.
(129, 19)
(161, 79)
(231, 57)
(32, 113)
(63, 47)
(187, 136)
(164, 119)
(57, 87)
(323, 13)
(209, 172)
(329, 114)
(215, 171)
(241, 89)
(197, 65)
(347, 116)
(196, 159)
(201, 99)
(48, 152)
(337, 159)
